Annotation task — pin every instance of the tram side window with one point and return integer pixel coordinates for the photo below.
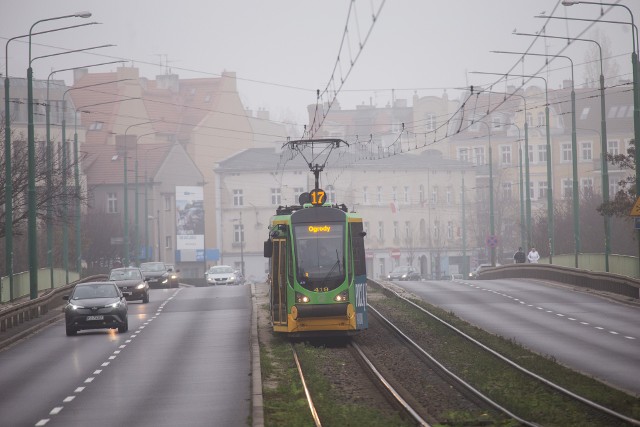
(358, 248)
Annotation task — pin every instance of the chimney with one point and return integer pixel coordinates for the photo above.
(78, 74)
(168, 81)
(566, 84)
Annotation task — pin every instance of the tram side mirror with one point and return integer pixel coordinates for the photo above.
(363, 233)
(268, 249)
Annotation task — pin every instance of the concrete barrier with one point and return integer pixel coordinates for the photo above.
(605, 282)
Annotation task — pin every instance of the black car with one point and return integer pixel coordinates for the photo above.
(404, 273)
(95, 305)
(157, 274)
(131, 282)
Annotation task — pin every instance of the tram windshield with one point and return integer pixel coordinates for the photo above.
(320, 255)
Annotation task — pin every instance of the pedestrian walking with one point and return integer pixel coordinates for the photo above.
(519, 257)
(533, 256)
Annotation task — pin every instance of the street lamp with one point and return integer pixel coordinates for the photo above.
(136, 247)
(31, 223)
(491, 211)
(522, 216)
(603, 144)
(49, 155)
(126, 195)
(574, 149)
(636, 110)
(548, 154)
(7, 148)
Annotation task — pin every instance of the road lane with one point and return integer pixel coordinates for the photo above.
(184, 361)
(589, 333)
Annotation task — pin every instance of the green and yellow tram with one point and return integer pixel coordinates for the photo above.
(317, 269)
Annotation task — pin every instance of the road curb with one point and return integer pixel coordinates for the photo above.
(257, 410)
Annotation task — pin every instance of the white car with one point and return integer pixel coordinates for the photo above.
(223, 275)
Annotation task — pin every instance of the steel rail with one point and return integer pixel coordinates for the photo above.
(388, 388)
(314, 413)
(522, 369)
(452, 375)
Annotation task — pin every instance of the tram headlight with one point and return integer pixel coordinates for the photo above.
(300, 298)
(341, 297)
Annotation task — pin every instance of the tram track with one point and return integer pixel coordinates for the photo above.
(606, 415)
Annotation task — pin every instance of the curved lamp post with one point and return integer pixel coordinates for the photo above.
(31, 223)
(636, 99)
(548, 156)
(7, 151)
(604, 173)
(574, 150)
(126, 195)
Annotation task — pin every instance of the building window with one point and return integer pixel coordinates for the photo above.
(297, 191)
(238, 198)
(112, 203)
(96, 126)
(567, 188)
(421, 194)
(463, 154)
(531, 159)
(540, 118)
(449, 196)
(542, 153)
(434, 195)
(436, 230)
(395, 230)
(505, 154)
(586, 150)
(430, 122)
(168, 241)
(566, 153)
(394, 195)
(276, 198)
(450, 230)
(529, 119)
(496, 123)
(585, 113)
(478, 155)
(542, 189)
(613, 147)
(380, 231)
(238, 233)
(365, 198)
(407, 230)
(407, 199)
(532, 190)
(586, 186)
(507, 193)
(379, 196)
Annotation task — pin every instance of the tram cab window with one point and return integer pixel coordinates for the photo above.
(320, 255)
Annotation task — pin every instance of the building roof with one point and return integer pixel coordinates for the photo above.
(103, 164)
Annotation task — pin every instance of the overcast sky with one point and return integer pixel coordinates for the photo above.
(282, 51)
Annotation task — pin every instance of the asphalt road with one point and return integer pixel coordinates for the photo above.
(589, 333)
(184, 362)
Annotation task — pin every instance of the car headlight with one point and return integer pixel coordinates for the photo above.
(75, 306)
(113, 305)
(140, 286)
(165, 280)
(404, 276)
(174, 277)
(389, 276)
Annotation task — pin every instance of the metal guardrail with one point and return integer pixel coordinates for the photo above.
(19, 313)
(605, 282)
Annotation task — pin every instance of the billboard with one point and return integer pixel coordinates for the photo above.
(190, 218)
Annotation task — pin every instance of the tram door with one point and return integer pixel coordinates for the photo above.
(279, 282)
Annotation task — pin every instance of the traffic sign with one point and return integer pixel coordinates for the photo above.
(492, 241)
(635, 210)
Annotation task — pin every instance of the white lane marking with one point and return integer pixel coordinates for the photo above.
(116, 352)
(89, 380)
(133, 336)
(105, 364)
(128, 341)
(600, 328)
(68, 399)
(42, 422)
(112, 357)
(97, 372)
(56, 410)
(122, 346)
(78, 390)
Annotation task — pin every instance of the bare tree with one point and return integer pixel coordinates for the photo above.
(592, 60)
(56, 194)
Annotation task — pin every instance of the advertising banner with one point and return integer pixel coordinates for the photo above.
(190, 218)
